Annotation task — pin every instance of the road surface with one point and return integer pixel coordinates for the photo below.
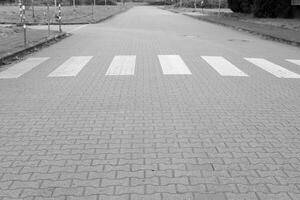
(152, 105)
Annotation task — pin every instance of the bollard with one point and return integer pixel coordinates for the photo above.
(59, 17)
(23, 20)
(20, 11)
(48, 18)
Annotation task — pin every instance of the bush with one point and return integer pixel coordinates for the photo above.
(159, 2)
(284, 9)
(241, 6)
(98, 2)
(207, 4)
(272, 8)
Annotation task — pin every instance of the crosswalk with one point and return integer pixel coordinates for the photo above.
(122, 65)
(170, 65)
(223, 66)
(173, 64)
(22, 68)
(71, 67)
(272, 68)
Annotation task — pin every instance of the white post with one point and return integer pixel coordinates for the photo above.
(93, 10)
(48, 18)
(32, 6)
(219, 7)
(74, 4)
(55, 3)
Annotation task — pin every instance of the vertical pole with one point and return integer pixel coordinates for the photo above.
(73, 4)
(20, 11)
(55, 3)
(195, 4)
(24, 25)
(219, 7)
(48, 18)
(180, 4)
(94, 4)
(92, 12)
(59, 15)
(32, 6)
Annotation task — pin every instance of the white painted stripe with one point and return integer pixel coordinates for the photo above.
(122, 65)
(297, 62)
(223, 66)
(71, 67)
(21, 68)
(272, 68)
(173, 64)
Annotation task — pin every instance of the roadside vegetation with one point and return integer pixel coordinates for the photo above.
(271, 19)
(83, 12)
(259, 8)
(263, 8)
(71, 15)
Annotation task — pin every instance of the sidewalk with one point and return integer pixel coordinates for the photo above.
(284, 30)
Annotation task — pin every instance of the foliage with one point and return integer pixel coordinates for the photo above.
(90, 2)
(272, 8)
(242, 6)
(207, 4)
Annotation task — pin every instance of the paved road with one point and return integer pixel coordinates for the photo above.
(152, 105)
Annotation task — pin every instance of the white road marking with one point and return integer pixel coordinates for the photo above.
(173, 64)
(223, 66)
(122, 65)
(297, 62)
(272, 68)
(21, 68)
(71, 67)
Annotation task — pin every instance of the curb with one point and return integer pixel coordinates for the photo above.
(265, 36)
(29, 48)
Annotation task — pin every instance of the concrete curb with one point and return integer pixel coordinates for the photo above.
(29, 48)
(265, 36)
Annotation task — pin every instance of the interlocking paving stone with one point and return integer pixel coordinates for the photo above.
(152, 136)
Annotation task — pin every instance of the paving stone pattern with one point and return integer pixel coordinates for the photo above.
(151, 136)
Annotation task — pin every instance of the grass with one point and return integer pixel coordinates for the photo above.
(291, 24)
(12, 38)
(81, 14)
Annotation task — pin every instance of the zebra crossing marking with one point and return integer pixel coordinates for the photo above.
(272, 68)
(223, 66)
(173, 65)
(71, 67)
(21, 68)
(122, 65)
(170, 64)
(297, 62)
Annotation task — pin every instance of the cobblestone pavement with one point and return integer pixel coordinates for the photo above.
(151, 136)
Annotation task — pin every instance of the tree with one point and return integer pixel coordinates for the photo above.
(272, 8)
(242, 6)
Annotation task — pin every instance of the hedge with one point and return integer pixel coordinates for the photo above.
(272, 8)
(242, 6)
